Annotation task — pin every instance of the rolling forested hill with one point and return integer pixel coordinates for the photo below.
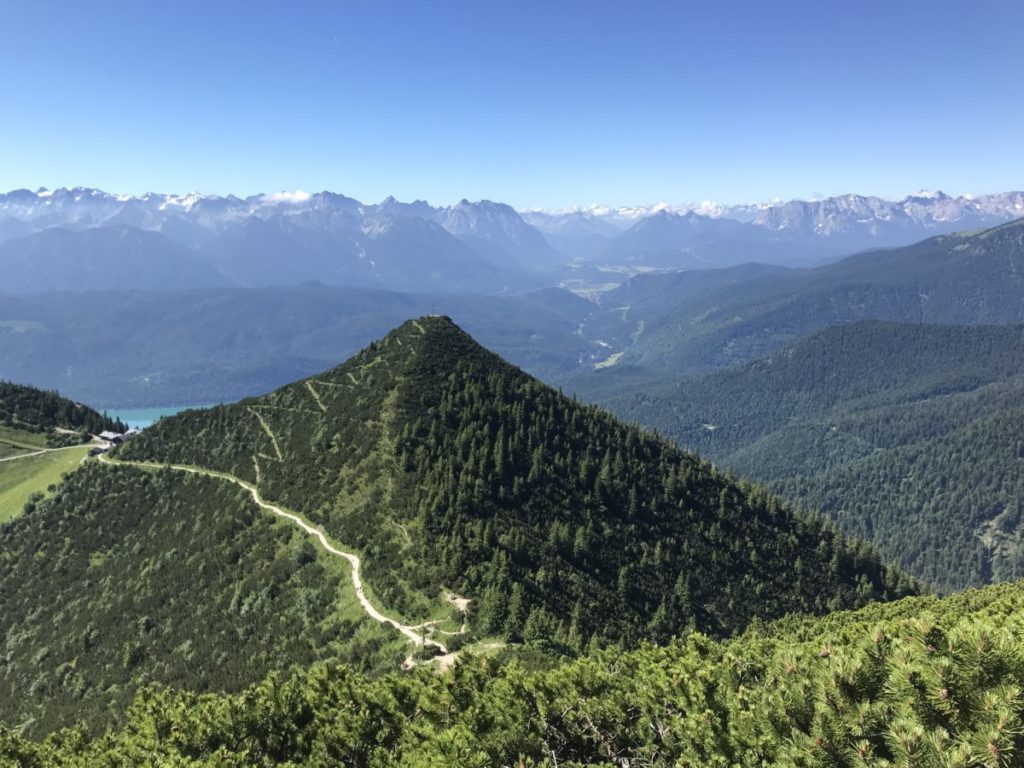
(126, 576)
(445, 469)
(909, 435)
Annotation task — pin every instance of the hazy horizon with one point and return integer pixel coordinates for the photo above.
(302, 195)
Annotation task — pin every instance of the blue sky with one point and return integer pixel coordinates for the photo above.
(536, 104)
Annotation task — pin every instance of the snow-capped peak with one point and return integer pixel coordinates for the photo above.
(186, 202)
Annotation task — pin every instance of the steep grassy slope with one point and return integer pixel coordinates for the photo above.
(17, 441)
(909, 435)
(919, 682)
(445, 466)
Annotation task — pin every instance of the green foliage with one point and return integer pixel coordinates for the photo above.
(448, 469)
(920, 682)
(36, 410)
(32, 420)
(126, 577)
(906, 435)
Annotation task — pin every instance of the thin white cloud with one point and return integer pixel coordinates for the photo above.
(298, 196)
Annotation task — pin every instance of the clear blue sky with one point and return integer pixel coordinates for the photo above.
(536, 104)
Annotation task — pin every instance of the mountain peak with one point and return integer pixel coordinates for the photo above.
(425, 329)
(427, 349)
(433, 324)
(498, 480)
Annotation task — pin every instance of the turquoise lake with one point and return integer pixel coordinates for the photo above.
(140, 418)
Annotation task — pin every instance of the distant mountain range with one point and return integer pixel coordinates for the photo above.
(283, 239)
(481, 247)
(825, 216)
(800, 231)
(108, 258)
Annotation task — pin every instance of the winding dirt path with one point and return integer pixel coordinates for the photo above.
(414, 633)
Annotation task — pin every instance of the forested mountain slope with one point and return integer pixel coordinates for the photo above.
(919, 682)
(447, 466)
(906, 434)
(965, 279)
(125, 576)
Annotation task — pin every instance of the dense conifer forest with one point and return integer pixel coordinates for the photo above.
(906, 435)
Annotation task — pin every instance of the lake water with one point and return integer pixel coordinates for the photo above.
(140, 418)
